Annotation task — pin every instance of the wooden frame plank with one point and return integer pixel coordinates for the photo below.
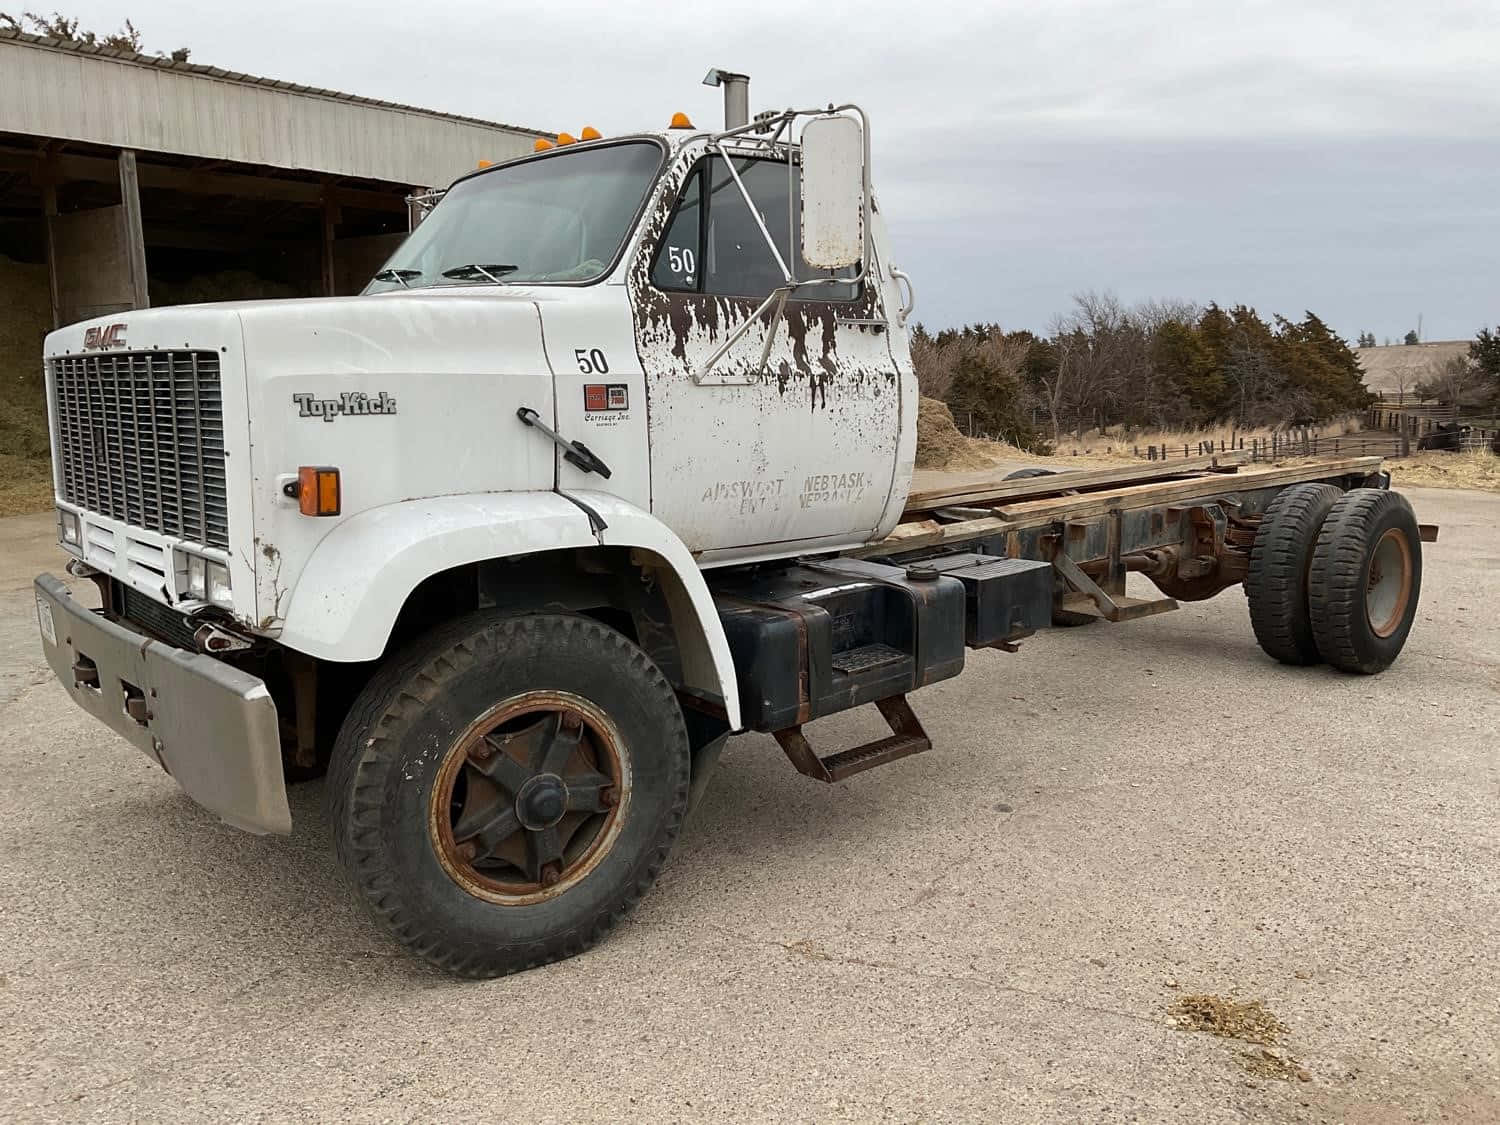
(977, 493)
(1093, 504)
(917, 534)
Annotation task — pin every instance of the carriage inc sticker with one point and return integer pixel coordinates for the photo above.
(606, 396)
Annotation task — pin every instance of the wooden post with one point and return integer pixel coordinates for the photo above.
(330, 220)
(49, 209)
(135, 235)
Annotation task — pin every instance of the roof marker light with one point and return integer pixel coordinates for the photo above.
(542, 145)
(680, 121)
(486, 163)
(589, 134)
(566, 139)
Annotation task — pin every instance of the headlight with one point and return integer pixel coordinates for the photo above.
(197, 577)
(218, 585)
(208, 581)
(68, 532)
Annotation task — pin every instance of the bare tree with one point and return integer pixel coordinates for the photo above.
(1449, 381)
(934, 366)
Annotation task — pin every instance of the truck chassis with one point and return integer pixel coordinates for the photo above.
(1046, 549)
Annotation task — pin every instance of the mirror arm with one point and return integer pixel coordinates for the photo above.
(765, 351)
(779, 294)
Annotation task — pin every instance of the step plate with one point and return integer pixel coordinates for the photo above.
(867, 658)
(872, 754)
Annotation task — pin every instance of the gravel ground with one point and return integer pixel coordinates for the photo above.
(1111, 819)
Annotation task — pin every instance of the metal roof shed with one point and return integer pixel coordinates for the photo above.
(125, 153)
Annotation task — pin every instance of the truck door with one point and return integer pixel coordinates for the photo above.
(799, 452)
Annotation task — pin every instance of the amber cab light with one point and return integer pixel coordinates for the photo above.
(542, 145)
(680, 121)
(589, 134)
(318, 491)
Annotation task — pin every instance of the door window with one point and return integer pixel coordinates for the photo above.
(713, 244)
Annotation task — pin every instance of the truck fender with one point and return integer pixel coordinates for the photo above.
(348, 596)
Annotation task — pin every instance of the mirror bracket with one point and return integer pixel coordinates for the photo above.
(764, 133)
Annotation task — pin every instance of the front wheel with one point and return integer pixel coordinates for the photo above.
(507, 789)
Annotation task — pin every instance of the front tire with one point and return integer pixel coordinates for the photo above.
(506, 790)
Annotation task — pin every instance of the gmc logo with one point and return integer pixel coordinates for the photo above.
(110, 336)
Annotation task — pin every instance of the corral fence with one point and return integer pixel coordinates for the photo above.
(1277, 446)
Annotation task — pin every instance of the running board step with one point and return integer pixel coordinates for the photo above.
(907, 738)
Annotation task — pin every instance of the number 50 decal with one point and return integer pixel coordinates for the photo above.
(591, 361)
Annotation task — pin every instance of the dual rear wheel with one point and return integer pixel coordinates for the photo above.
(1335, 577)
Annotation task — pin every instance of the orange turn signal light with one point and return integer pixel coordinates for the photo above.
(566, 139)
(589, 134)
(318, 491)
(680, 121)
(542, 145)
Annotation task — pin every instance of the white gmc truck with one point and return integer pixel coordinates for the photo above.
(612, 460)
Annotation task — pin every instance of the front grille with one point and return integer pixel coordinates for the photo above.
(160, 620)
(141, 438)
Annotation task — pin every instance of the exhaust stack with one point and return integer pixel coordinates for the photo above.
(736, 96)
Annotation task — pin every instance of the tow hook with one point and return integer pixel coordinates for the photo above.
(214, 640)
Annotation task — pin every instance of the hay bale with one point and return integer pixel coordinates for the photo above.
(25, 320)
(939, 441)
(942, 445)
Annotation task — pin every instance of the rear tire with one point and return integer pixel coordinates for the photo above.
(1277, 581)
(1365, 580)
(504, 791)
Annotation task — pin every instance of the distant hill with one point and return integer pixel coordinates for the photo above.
(1395, 368)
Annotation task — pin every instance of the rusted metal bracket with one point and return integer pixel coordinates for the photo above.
(907, 738)
(1110, 608)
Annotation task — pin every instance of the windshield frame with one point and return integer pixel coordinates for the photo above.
(627, 240)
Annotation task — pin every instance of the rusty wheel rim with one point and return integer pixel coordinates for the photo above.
(530, 798)
(1388, 585)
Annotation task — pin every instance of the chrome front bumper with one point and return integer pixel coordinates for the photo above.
(211, 726)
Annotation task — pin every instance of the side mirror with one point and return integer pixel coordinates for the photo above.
(833, 192)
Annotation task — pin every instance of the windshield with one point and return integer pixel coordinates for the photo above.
(560, 218)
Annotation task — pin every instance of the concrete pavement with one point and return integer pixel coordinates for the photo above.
(994, 930)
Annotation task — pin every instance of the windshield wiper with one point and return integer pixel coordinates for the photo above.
(397, 275)
(474, 270)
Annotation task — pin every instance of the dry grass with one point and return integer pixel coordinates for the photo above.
(1480, 470)
(25, 485)
(1267, 1063)
(1248, 1020)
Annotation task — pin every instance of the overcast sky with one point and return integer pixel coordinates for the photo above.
(1339, 157)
